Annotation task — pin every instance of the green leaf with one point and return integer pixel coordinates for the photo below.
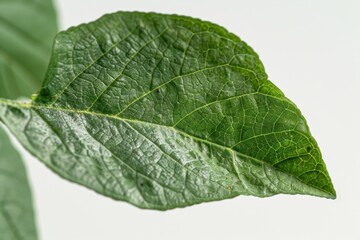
(27, 30)
(165, 111)
(16, 213)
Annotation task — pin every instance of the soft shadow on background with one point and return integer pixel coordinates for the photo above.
(311, 51)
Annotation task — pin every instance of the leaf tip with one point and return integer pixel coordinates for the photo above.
(332, 194)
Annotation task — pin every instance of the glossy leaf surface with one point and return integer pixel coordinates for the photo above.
(16, 213)
(27, 30)
(166, 111)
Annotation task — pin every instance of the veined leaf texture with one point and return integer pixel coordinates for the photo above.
(166, 111)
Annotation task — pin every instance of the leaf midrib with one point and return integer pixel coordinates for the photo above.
(98, 114)
(40, 107)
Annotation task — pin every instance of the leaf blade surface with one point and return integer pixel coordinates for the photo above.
(166, 111)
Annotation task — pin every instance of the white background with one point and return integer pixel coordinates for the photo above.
(311, 50)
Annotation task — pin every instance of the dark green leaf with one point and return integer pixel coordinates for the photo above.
(27, 30)
(16, 213)
(165, 111)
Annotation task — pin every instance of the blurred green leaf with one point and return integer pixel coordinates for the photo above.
(16, 210)
(27, 30)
